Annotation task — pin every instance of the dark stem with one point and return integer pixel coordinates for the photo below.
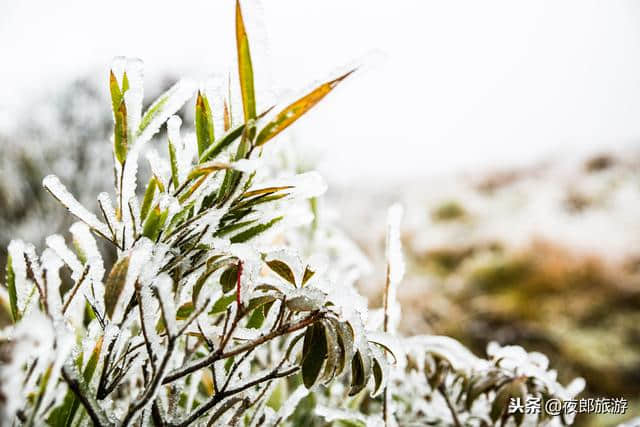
(93, 410)
(454, 415)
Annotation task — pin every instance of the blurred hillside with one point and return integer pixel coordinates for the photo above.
(546, 257)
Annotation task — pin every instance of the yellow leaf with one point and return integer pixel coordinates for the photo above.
(294, 111)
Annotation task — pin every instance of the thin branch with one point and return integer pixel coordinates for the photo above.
(82, 393)
(217, 398)
(75, 289)
(454, 415)
(217, 355)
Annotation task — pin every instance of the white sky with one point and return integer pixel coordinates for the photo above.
(465, 84)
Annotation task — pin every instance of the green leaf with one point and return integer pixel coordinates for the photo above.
(294, 111)
(152, 112)
(173, 159)
(232, 177)
(334, 352)
(340, 347)
(245, 69)
(204, 123)
(358, 374)
(378, 377)
(222, 303)
(154, 223)
(257, 318)
(13, 293)
(314, 351)
(254, 231)
(148, 198)
(120, 142)
(206, 169)
(308, 274)
(114, 89)
(282, 270)
(213, 264)
(222, 143)
(233, 227)
(184, 311)
(115, 284)
(229, 278)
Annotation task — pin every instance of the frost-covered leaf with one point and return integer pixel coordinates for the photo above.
(60, 192)
(115, 284)
(314, 352)
(245, 68)
(294, 111)
(254, 231)
(164, 107)
(215, 149)
(283, 270)
(204, 123)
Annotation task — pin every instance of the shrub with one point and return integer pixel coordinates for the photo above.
(215, 312)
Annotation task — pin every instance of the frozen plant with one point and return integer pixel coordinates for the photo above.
(218, 310)
(204, 307)
(436, 381)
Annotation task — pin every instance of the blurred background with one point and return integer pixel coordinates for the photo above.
(509, 130)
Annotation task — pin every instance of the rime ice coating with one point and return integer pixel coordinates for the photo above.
(59, 191)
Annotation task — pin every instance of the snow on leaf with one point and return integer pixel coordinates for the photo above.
(163, 108)
(60, 192)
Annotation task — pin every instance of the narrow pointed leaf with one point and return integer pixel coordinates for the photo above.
(294, 111)
(148, 199)
(254, 231)
(13, 293)
(120, 138)
(245, 69)
(115, 284)
(204, 123)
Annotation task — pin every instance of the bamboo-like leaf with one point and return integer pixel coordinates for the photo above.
(120, 138)
(115, 284)
(282, 270)
(222, 143)
(153, 111)
(114, 89)
(206, 169)
(204, 123)
(173, 160)
(265, 191)
(294, 111)
(254, 231)
(154, 223)
(245, 69)
(148, 198)
(13, 293)
(226, 117)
